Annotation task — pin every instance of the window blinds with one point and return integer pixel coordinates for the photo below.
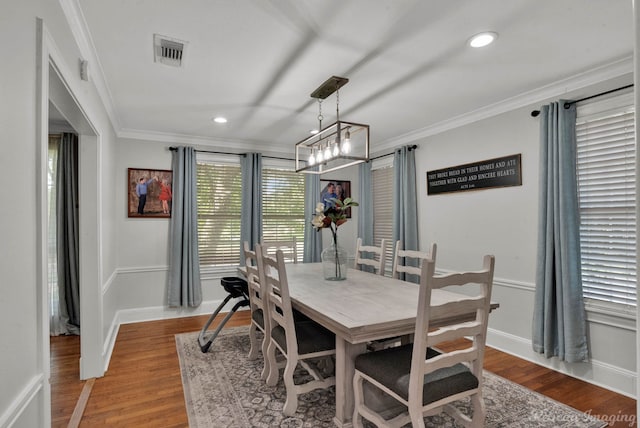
(382, 184)
(283, 215)
(606, 187)
(219, 208)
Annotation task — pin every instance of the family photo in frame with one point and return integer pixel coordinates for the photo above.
(339, 189)
(149, 193)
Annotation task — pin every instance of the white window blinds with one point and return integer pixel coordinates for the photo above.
(606, 188)
(219, 209)
(382, 184)
(283, 216)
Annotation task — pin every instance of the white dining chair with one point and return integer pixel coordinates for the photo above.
(418, 376)
(371, 256)
(259, 315)
(299, 342)
(289, 249)
(409, 262)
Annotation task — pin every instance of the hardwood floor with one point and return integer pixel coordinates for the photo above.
(142, 386)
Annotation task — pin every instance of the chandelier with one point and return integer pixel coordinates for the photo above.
(337, 146)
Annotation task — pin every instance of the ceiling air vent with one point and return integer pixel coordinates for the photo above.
(168, 51)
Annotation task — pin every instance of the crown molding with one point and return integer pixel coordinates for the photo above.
(191, 140)
(601, 74)
(82, 36)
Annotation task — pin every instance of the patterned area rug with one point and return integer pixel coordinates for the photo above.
(223, 389)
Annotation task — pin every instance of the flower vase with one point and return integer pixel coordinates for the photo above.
(334, 262)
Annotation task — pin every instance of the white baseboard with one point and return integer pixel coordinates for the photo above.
(596, 372)
(22, 401)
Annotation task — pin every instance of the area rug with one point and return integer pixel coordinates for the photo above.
(223, 389)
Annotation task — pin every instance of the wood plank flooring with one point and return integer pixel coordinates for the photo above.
(142, 386)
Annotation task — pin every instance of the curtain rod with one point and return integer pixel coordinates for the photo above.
(535, 113)
(173, 149)
(413, 147)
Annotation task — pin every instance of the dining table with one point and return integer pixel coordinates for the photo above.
(362, 308)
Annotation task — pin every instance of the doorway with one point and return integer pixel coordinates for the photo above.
(52, 86)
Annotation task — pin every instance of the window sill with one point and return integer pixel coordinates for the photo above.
(611, 314)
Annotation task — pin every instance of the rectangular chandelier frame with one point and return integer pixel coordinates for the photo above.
(334, 136)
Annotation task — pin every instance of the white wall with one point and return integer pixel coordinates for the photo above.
(24, 365)
(142, 244)
(503, 222)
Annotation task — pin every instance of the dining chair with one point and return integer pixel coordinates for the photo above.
(424, 380)
(364, 259)
(407, 266)
(289, 249)
(409, 262)
(259, 316)
(302, 342)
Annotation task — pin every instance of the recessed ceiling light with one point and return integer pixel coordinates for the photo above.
(482, 39)
(220, 119)
(313, 132)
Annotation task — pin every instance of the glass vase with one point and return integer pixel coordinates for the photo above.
(334, 263)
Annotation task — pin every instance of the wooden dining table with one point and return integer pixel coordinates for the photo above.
(362, 308)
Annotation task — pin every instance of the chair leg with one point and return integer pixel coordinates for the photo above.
(358, 401)
(253, 340)
(417, 419)
(272, 376)
(291, 404)
(266, 371)
(479, 411)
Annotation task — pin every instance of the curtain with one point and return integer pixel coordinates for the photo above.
(559, 326)
(185, 288)
(56, 325)
(365, 209)
(405, 205)
(251, 218)
(312, 237)
(67, 235)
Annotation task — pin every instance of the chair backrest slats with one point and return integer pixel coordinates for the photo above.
(409, 262)
(379, 254)
(289, 249)
(254, 281)
(474, 328)
(278, 297)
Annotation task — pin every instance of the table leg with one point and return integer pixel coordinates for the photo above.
(346, 354)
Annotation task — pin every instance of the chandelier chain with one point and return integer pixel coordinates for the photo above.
(320, 117)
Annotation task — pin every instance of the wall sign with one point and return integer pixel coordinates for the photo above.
(498, 172)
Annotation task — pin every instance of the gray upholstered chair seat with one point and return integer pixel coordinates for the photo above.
(311, 337)
(391, 367)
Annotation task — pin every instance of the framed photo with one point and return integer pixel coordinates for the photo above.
(339, 189)
(149, 193)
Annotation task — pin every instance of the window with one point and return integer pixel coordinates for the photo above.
(382, 185)
(606, 192)
(283, 216)
(219, 209)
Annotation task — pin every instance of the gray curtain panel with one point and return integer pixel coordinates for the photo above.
(185, 287)
(67, 234)
(365, 209)
(405, 205)
(251, 217)
(559, 326)
(312, 237)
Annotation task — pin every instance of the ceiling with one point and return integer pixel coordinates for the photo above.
(256, 62)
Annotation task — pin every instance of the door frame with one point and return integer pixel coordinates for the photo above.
(54, 83)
